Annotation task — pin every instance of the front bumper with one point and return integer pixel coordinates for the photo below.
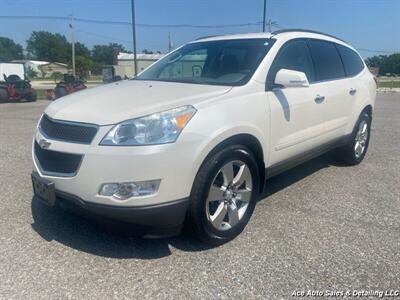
(160, 216)
(174, 165)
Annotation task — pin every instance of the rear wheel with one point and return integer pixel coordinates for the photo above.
(224, 195)
(354, 151)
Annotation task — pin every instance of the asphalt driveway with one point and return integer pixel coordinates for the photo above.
(321, 226)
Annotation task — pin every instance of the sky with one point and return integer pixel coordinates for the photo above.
(372, 26)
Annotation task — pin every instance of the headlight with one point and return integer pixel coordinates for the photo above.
(158, 128)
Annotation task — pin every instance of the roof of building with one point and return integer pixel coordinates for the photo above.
(55, 63)
(142, 56)
(33, 62)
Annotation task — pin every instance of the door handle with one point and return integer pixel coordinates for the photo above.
(352, 91)
(319, 98)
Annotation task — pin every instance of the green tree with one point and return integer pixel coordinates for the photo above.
(392, 64)
(48, 46)
(80, 50)
(385, 63)
(32, 73)
(145, 51)
(56, 76)
(83, 65)
(9, 50)
(103, 54)
(375, 61)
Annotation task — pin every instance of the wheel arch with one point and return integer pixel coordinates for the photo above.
(368, 109)
(249, 141)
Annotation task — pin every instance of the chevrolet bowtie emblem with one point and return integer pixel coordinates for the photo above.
(44, 144)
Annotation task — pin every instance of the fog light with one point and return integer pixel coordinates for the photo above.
(125, 190)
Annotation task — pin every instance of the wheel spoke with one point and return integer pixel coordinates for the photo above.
(233, 214)
(364, 128)
(244, 195)
(218, 217)
(358, 149)
(215, 194)
(242, 176)
(227, 173)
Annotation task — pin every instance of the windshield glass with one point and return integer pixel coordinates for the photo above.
(223, 62)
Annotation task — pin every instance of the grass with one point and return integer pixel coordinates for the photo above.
(389, 84)
(40, 94)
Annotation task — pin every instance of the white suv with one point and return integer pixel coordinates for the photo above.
(193, 138)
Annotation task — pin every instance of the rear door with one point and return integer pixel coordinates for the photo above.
(332, 84)
(296, 117)
(356, 92)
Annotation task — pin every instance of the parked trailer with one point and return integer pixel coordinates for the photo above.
(8, 69)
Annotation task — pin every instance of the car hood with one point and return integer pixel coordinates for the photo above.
(120, 101)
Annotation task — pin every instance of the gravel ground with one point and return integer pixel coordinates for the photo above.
(322, 227)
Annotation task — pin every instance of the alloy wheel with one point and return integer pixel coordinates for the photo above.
(361, 139)
(229, 195)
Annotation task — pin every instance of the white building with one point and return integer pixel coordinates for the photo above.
(33, 64)
(125, 64)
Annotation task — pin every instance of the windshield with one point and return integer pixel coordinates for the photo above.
(223, 62)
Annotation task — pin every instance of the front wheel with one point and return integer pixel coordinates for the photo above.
(32, 97)
(224, 195)
(356, 148)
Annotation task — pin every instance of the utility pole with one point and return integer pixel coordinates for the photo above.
(72, 26)
(264, 14)
(134, 36)
(170, 46)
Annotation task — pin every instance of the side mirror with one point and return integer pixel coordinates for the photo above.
(290, 78)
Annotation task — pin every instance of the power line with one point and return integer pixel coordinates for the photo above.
(126, 23)
(375, 51)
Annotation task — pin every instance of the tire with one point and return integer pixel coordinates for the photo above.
(216, 222)
(3, 94)
(32, 97)
(354, 151)
(60, 92)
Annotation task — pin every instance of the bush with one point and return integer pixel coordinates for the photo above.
(56, 76)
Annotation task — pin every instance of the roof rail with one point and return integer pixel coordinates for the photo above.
(305, 30)
(205, 37)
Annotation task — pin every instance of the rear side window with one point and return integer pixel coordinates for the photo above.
(294, 55)
(328, 64)
(351, 60)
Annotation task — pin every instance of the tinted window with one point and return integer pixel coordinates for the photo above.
(328, 64)
(294, 55)
(224, 62)
(351, 60)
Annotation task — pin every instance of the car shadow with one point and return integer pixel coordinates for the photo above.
(54, 224)
(289, 177)
(103, 239)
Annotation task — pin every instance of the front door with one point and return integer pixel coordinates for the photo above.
(297, 113)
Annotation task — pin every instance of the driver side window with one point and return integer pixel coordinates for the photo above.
(294, 55)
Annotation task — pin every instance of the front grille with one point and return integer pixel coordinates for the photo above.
(50, 162)
(67, 131)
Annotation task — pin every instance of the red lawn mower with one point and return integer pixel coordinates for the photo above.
(15, 89)
(69, 85)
